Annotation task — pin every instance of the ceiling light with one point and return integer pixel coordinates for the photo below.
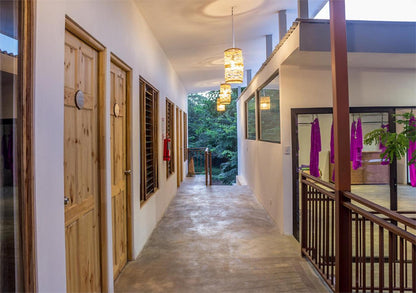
(225, 94)
(233, 60)
(220, 107)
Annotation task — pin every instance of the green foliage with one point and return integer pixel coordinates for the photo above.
(396, 143)
(215, 130)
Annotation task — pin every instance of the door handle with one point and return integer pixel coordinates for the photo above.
(66, 200)
(127, 172)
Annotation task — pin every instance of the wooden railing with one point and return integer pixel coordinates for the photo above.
(200, 162)
(383, 241)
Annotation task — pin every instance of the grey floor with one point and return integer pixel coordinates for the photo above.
(218, 239)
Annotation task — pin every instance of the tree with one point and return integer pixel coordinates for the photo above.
(215, 130)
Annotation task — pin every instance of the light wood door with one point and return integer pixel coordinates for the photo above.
(181, 145)
(81, 165)
(118, 138)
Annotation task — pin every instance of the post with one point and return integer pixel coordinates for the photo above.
(206, 166)
(282, 24)
(248, 74)
(343, 245)
(303, 9)
(304, 216)
(269, 45)
(210, 168)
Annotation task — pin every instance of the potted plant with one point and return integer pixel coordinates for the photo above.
(396, 144)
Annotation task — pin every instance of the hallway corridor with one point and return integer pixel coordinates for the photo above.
(218, 239)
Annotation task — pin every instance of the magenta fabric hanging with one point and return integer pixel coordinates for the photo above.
(315, 148)
(352, 141)
(410, 152)
(358, 145)
(385, 160)
(332, 153)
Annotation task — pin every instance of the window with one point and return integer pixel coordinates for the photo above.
(185, 136)
(149, 97)
(269, 111)
(170, 133)
(251, 118)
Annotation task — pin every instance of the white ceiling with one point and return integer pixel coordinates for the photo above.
(195, 33)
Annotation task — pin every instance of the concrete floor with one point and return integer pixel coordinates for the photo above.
(218, 239)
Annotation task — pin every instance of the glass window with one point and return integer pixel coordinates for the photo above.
(251, 118)
(269, 111)
(10, 265)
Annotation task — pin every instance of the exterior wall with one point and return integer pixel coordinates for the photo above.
(120, 27)
(267, 167)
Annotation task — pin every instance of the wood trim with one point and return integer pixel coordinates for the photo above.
(169, 104)
(77, 30)
(120, 63)
(83, 35)
(25, 147)
(129, 81)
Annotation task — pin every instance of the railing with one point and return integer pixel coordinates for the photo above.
(383, 241)
(200, 162)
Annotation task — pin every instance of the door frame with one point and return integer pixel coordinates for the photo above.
(83, 35)
(129, 80)
(391, 110)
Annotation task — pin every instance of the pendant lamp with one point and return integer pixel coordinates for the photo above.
(233, 60)
(220, 107)
(264, 103)
(225, 93)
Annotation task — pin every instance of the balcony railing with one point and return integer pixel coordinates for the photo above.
(383, 241)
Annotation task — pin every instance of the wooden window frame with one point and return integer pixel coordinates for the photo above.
(144, 196)
(271, 78)
(170, 125)
(255, 115)
(25, 142)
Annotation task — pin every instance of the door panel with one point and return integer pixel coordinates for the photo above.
(81, 168)
(118, 166)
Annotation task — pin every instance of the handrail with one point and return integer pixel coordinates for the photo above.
(389, 226)
(320, 181)
(389, 213)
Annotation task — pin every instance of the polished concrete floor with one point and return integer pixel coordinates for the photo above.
(218, 239)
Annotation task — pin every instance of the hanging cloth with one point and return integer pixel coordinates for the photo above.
(410, 152)
(315, 148)
(332, 152)
(358, 144)
(352, 141)
(384, 160)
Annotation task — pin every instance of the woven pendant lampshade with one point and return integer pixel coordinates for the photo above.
(225, 94)
(220, 107)
(234, 65)
(233, 60)
(264, 103)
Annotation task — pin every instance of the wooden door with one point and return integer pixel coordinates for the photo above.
(118, 141)
(81, 166)
(181, 146)
(178, 169)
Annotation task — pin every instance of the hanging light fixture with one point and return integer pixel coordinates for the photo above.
(220, 107)
(233, 60)
(225, 93)
(264, 103)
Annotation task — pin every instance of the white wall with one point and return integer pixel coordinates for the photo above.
(265, 166)
(120, 27)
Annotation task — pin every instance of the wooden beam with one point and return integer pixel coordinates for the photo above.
(343, 245)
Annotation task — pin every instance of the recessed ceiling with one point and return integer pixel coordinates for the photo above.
(195, 33)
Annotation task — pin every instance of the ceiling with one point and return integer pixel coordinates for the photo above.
(195, 33)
